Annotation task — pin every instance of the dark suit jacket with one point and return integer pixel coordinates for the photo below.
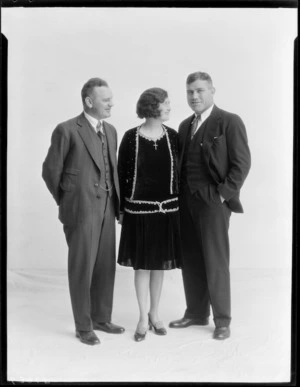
(72, 172)
(226, 152)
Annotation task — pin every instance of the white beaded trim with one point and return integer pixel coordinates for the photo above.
(150, 202)
(159, 204)
(150, 138)
(172, 161)
(136, 160)
(151, 212)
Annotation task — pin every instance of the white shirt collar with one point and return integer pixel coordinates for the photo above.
(206, 113)
(93, 121)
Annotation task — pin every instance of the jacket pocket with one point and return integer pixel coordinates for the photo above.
(72, 171)
(69, 178)
(218, 139)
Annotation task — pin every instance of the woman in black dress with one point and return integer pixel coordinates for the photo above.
(150, 238)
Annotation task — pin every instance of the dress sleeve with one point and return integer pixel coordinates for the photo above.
(123, 169)
(175, 154)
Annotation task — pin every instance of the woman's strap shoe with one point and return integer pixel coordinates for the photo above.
(158, 327)
(140, 333)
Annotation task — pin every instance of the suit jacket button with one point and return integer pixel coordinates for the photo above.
(96, 184)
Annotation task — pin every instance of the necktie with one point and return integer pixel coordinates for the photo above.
(195, 125)
(99, 128)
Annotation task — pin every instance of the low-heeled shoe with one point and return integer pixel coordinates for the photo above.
(108, 327)
(87, 337)
(140, 334)
(187, 322)
(158, 327)
(221, 333)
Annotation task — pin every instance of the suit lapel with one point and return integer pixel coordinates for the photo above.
(211, 126)
(110, 143)
(186, 128)
(211, 131)
(87, 134)
(184, 134)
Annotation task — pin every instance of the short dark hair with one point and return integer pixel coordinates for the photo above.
(148, 103)
(199, 75)
(89, 86)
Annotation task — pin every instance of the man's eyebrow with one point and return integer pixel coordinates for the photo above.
(198, 88)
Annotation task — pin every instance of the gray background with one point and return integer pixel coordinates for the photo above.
(248, 53)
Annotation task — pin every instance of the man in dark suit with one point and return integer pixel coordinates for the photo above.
(80, 171)
(214, 160)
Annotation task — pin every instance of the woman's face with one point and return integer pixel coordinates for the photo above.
(165, 109)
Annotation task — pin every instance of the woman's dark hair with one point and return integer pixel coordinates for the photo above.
(148, 103)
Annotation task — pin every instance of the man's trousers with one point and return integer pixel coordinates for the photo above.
(205, 244)
(92, 265)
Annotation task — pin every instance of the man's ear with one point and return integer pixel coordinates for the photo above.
(88, 101)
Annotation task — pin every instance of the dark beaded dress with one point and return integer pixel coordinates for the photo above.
(150, 235)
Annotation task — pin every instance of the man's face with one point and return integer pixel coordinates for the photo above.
(200, 95)
(100, 102)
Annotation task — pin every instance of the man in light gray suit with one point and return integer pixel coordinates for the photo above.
(80, 171)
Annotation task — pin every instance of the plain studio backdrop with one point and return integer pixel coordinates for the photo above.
(249, 55)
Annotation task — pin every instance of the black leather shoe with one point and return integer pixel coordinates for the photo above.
(87, 337)
(108, 327)
(186, 322)
(221, 333)
(158, 327)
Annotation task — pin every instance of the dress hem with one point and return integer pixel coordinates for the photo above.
(144, 268)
